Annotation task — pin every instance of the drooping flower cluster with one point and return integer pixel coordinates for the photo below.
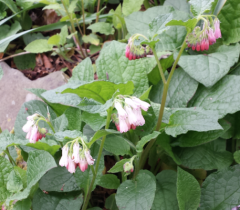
(133, 52)
(34, 132)
(129, 114)
(200, 40)
(76, 156)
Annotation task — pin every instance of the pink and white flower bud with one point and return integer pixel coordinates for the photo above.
(71, 167)
(131, 116)
(121, 112)
(89, 158)
(203, 43)
(75, 155)
(140, 119)
(27, 127)
(217, 31)
(128, 167)
(144, 105)
(83, 165)
(124, 125)
(131, 103)
(34, 134)
(198, 47)
(193, 47)
(211, 37)
(32, 117)
(64, 159)
(127, 51)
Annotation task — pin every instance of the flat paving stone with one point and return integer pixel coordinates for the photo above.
(13, 92)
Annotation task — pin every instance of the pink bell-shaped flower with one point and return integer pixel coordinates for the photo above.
(89, 158)
(121, 112)
(217, 31)
(144, 105)
(71, 167)
(75, 155)
(83, 165)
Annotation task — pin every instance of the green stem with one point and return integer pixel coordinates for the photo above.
(164, 97)
(73, 28)
(146, 4)
(98, 8)
(137, 167)
(10, 157)
(93, 171)
(122, 173)
(83, 14)
(97, 162)
(159, 66)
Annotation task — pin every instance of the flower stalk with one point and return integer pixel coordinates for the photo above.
(87, 198)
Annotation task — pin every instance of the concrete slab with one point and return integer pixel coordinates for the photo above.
(13, 92)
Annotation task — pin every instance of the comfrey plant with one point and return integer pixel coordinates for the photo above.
(158, 130)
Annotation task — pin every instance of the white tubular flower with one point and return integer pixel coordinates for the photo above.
(131, 116)
(124, 125)
(75, 155)
(132, 103)
(27, 127)
(89, 158)
(83, 164)
(144, 105)
(121, 111)
(140, 119)
(71, 167)
(34, 134)
(64, 159)
(31, 117)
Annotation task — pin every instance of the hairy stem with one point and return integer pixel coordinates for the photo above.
(98, 8)
(10, 157)
(97, 162)
(83, 14)
(164, 97)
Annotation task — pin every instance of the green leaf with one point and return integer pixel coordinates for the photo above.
(38, 46)
(83, 179)
(209, 69)
(100, 91)
(7, 31)
(83, 71)
(223, 97)
(145, 140)
(145, 95)
(39, 162)
(181, 90)
(193, 138)
(1, 72)
(189, 24)
(22, 174)
(5, 170)
(25, 61)
(138, 194)
(11, 5)
(95, 121)
(116, 145)
(54, 40)
(233, 132)
(226, 182)
(158, 24)
(63, 35)
(23, 204)
(164, 141)
(200, 6)
(118, 167)
(178, 5)
(57, 201)
(110, 202)
(28, 38)
(61, 135)
(60, 123)
(182, 121)
(102, 28)
(112, 62)
(109, 181)
(212, 155)
(230, 27)
(74, 118)
(91, 38)
(173, 38)
(59, 180)
(138, 22)
(165, 197)
(188, 191)
(14, 183)
(30, 108)
(236, 156)
(130, 6)
(100, 133)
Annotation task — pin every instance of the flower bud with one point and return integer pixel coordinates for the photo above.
(128, 167)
